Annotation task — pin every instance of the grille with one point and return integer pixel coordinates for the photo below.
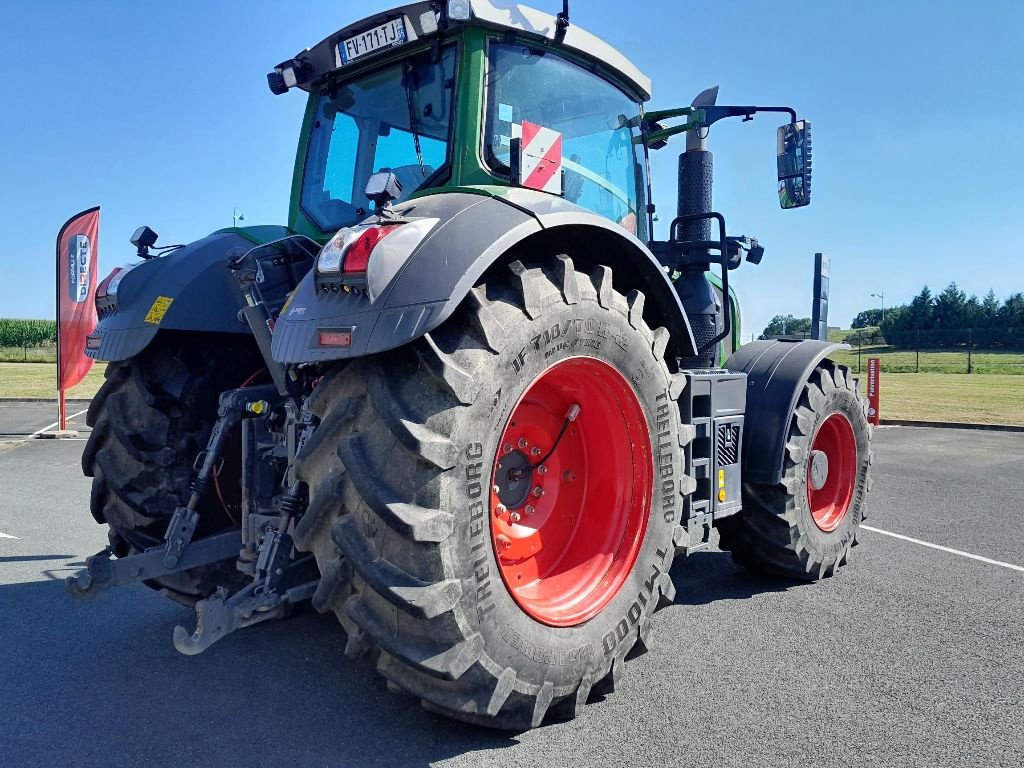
(728, 444)
(703, 327)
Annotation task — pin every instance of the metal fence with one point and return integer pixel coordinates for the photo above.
(956, 350)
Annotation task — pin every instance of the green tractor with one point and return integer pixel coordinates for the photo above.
(465, 400)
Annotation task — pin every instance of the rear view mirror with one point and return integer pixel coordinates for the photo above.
(794, 162)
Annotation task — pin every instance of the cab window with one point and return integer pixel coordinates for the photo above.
(396, 118)
(602, 153)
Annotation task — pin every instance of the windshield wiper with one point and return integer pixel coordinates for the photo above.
(413, 120)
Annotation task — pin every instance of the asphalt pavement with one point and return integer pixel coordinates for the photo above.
(914, 656)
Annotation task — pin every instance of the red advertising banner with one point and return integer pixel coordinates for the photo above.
(874, 372)
(77, 268)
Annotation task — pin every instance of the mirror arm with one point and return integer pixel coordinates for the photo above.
(704, 117)
(657, 139)
(711, 115)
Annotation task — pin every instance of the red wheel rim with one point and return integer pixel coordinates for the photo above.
(565, 551)
(830, 503)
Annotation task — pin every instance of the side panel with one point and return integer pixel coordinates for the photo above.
(473, 231)
(189, 289)
(776, 372)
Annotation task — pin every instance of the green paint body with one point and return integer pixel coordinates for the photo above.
(468, 171)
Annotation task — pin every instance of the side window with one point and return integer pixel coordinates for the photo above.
(396, 118)
(604, 167)
(339, 177)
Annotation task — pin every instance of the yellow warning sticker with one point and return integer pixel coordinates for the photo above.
(721, 478)
(158, 310)
(287, 303)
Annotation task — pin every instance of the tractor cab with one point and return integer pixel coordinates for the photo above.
(441, 98)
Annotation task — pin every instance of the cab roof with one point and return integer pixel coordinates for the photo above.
(423, 19)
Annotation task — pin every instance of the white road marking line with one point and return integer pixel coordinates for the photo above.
(941, 548)
(51, 426)
(6, 536)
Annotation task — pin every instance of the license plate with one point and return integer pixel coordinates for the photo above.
(388, 35)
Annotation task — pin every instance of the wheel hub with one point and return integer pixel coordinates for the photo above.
(819, 469)
(567, 533)
(513, 480)
(832, 472)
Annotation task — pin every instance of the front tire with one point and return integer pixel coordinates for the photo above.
(804, 527)
(418, 560)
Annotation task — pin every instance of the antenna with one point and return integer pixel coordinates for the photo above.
(562, 22)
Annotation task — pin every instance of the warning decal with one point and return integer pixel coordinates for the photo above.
(158, 310)
(539, 158)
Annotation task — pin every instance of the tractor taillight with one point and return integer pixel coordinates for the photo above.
(357, 257)
(101, 289)
(347, 255)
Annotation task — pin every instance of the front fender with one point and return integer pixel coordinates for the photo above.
(418, 286)
(189, 289)
(776, 373)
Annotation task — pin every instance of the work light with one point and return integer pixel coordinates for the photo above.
(459, 10)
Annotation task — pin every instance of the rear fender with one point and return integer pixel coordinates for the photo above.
(416, 282)
(776, 373)
(189, 289)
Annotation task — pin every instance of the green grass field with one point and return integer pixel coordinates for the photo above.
(28, 354)
(991, 399)
(935, 361)
(40, 380)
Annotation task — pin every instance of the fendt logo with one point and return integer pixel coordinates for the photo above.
(78, 268)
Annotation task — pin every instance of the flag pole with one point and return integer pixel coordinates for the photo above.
(61, 409)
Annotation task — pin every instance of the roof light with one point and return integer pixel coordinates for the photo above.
(289, 74)
(459, 10)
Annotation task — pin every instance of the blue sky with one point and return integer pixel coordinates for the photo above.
(160, 113)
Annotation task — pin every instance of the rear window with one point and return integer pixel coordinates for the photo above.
(397, 118)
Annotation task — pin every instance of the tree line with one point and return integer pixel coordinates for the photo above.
(948, 319)
(952, 318)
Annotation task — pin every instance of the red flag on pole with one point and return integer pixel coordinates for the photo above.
(77, 267)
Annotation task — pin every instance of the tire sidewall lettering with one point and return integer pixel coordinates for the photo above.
(511, 637)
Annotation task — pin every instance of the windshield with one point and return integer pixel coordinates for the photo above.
(395, 118)
(604, 168)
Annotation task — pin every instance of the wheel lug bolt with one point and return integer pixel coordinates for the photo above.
(523, 442)
(507, 448)
(538, 491)
(569, 476)
(542, 470)
(499, 510)
(530, 509)
(496, 489)
(535, 451)
(504, 542)
(514, 517)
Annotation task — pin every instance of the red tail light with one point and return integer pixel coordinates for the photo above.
(357, 256)
(101, 289)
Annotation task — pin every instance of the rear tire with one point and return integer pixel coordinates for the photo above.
(150, 419)
(792, 529)
(400, 518)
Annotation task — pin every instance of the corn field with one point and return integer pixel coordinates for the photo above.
(28, 340)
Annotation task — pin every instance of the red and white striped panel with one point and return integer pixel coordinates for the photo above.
(540, 158)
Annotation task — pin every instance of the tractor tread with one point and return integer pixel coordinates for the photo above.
(766, 536)
(382, 508)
